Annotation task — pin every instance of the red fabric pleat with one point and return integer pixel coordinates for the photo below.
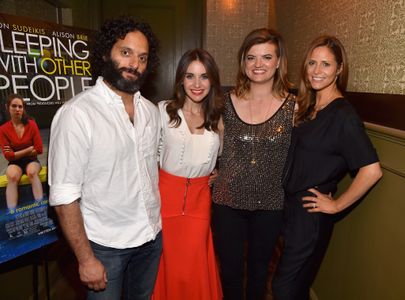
(188, 269)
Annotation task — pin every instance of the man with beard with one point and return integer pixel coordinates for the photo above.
(103, 173)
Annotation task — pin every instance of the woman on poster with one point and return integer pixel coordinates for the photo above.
(188, 153)
(20, 143)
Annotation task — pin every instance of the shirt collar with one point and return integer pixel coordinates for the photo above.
(113, 97)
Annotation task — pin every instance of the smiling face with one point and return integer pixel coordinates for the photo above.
(16, 108)
(322, 69)
(261, 62)
(126, 66)
(196, 83)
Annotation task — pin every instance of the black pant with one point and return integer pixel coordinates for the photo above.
(306, 239)
(232, 228)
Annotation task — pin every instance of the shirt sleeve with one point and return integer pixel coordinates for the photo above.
(356, 147)
(36, 137)
(5, 141)
(69, 145)
(162, 111)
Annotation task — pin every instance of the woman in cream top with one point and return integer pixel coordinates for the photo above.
(188, 151)
(184, 153)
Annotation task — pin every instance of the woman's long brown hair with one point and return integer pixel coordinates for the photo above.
(306, 95)
(281, 84)
(25, 117)
(213, 103)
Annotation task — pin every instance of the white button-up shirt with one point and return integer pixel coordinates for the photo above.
(98, 156)
(183, 153)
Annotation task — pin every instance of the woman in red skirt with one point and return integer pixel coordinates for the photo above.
(189, 149)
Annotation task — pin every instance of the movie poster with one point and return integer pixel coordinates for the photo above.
(47, 64)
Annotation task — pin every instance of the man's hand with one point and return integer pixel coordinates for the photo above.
(91, 270)
(93, 274)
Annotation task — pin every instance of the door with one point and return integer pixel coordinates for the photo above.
(177, 24)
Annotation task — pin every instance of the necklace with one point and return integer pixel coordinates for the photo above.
(253, 160)
(319, 107)
(194, 120)
(322, 106)
(255, 136)
(332, 97)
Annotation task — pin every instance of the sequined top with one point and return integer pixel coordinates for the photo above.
(253, 158)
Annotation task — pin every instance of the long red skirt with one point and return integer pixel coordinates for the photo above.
(188, 269)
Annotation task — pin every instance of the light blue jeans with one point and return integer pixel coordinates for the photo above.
(131, 272)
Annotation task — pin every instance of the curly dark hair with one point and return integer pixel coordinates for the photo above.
(115, 29)
(213, 103)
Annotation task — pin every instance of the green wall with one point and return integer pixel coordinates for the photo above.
(365, 260)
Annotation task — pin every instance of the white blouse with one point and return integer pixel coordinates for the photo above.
(183, 153)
